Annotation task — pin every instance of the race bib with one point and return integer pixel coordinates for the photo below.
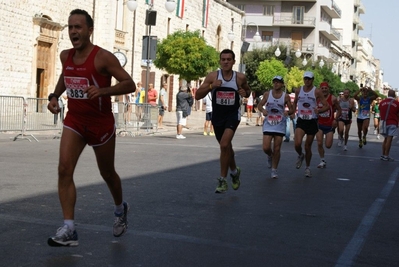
(325, 114)
(274, 119)
(75, 86)
(305, 114)
(344, 113)
(225, 98)
(366, 113)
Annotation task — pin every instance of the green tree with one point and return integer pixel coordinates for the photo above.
(268, 69)
(186, 53)
(252, 60)
(293, 79)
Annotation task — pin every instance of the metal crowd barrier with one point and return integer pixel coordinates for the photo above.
(26, 115)
(135, 119)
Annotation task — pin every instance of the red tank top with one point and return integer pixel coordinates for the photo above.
(326, 118)
(78, 77)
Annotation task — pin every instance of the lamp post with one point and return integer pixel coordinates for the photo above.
(245, 45)
(298, 54)
(150, 20)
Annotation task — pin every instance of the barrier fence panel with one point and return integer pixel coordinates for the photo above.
(134, 119)
(11, 113)
(39, 118)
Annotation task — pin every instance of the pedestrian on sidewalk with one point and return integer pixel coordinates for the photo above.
(227, 87)
(183, 98)
(389, 111)
(208, 115)
(86, 75)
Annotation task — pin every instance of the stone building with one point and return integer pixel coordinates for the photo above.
(33, 33)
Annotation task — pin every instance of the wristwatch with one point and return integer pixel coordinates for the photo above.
(50, 96)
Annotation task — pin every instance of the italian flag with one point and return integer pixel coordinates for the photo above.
(180, 8)
(205, 12)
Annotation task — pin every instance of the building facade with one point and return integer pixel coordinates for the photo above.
(33, 33)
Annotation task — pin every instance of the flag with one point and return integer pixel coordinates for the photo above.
(149, 2)
(180, 8)
(205, 13)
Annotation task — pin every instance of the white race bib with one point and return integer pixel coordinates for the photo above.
(226, 98)
(75, 86)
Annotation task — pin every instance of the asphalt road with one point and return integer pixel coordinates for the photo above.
(345, 215)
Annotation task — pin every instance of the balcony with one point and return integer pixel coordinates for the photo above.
(355, 37)
(325, 29)
(260, 20)
(331, 8)
(356, 3)
(360, 26)
(291, 21)
(362, 9)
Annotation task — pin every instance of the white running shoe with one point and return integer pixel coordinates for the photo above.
(180, 136)
(308, 173)
(322, 165)
(345, 148)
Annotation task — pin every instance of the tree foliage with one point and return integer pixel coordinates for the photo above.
(268, 69)
(186, 53)
(259, 69)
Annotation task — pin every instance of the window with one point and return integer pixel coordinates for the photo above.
(240, 7)
(268, 10)
(298, 14)
(267, 36)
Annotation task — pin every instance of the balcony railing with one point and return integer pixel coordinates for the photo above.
(291, 20)
(336, 8)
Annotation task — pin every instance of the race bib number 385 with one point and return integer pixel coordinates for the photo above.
(225, 98)
(75, 86)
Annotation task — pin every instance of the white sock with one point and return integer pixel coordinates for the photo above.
(70, 224)
(119, 208)
(234, 172)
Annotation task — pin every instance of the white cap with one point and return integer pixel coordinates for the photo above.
(308, 74)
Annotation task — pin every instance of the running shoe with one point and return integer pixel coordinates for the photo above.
(269, 162)
(340, 141)
(378, 136)
(345, 148)
(235, 179)
(322, 165)
(364, 140)
(299, 161)
(222, 186)
(274, 174)
(205, 133)
(308, 173)
(120, 223)
(64, 237)
(360, 143)
(387, 158)
(180, 136)
(211, 133)
(375, 131)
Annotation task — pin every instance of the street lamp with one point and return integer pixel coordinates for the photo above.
(256, 37)
(170, 6)
(298, 54)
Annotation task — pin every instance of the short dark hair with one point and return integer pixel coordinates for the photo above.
(227, 51)
(89, 20)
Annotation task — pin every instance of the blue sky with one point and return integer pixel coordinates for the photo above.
(380, 23)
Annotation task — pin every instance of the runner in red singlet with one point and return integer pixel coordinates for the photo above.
(86, 76)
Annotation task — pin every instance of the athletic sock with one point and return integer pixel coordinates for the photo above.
(119, 208)
(234, 172)
(70, 224)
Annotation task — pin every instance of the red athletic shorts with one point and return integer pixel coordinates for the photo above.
(94, 135)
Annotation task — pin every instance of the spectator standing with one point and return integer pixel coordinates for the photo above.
(389, 111)
(162, 103)
(207, 101)
(250, 106)
(182, 104)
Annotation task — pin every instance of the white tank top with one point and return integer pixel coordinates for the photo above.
(307, 104)
(275, 121)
